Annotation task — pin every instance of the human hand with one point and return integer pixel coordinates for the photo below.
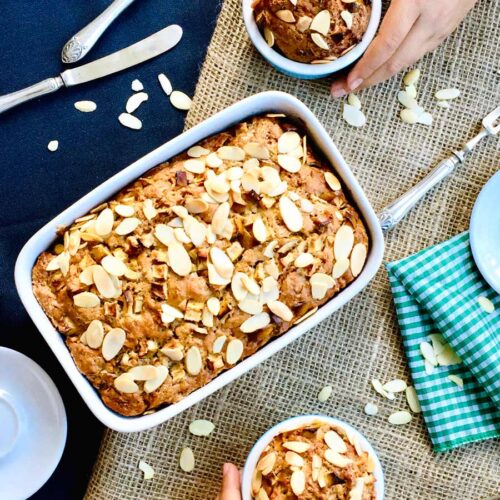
(231, 483)
(410, 29)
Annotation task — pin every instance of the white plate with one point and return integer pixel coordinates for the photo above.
(32, 426)
(303, 421)
(266, 102)
(485, 232)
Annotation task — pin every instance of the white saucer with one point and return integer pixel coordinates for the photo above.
(485, 232)
(32, 426)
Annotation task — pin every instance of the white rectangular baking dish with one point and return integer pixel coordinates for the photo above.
(266, 102)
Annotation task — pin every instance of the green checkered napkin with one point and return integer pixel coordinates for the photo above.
(436, 291)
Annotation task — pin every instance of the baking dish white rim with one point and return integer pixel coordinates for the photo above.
(265, 102)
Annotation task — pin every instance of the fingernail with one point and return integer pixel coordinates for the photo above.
(338, 92)
(356, 83)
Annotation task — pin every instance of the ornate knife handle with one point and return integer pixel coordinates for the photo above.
(8, 101)
(78, 46)
(396, 210)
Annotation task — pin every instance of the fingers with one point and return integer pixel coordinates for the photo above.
(398, 21)
(231, 483)
(418, 42)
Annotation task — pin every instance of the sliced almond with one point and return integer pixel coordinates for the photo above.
(318, 291)
(400, 417)
(319, 41)
(447, 94)
(155, 383)
(149, 209)
(340, 267)
(371, 409)
(234, 351)
(103, 282)
(130, 121)
(259, 230)
(290, 214)
(186, 460)
(124, 210)
(213, 305)
(125, 384)
(322, 279)
(237, 286)
(135, 100)
(486, 304)
(412, 77)
(231, 153)
(358, 258)
(353, 116)
(193, 361)
(86, 300)
(179, 259)
(94, 334)
(85, 106)
(194, 166)
(86, 277)
(406, 100)
(180, 100)
(325, 393)
(53, 146)
(354, 101)
(266, 463)
(332, 181)
(257, 483)
(344, 240)
(412, 399)
(347, 17)
(215, 278)
(294, 459)
(380, 389)
(288, 142)
(289, 163)
(113, 343)
(255, 323)
(104, 222)
(285, 15)
(173, 353)
(297, 446)
(164, 234)
(335, 458)
(137, 85)
(456, 380)
(321, 22)
(146, 469)
(127, 226)
(428, 353)
(280, 309)
(409, 116)
(196, 230)
(201, 428)
(304, 260)
(142, 372)
(256, 150)
(250, 284)
(113, 265)
(220, 218)
(268, 36)
(222, 262)
(335, 442)
(250, 306)
(213, 161)
(165, 83)
(448, 357)
(218, 344)
(303, 24)
(197, 151)
(356, 492)
(396, 385)
(298, 482)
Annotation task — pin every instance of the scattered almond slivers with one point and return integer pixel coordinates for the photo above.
(400, 418)
(486, 304)
(186, 460)
(135, 100)
(165, 84)
(130, 121)
(85, 106)
(180, 100)
(325, 393)
(320, 22)
(412, 399)
(412, 112)
(146, 469)
(201, 427)
(53, 146)
(371, 409)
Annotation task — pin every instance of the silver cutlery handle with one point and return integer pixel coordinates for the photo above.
(78, 46)
(396, 210)
(47, 86)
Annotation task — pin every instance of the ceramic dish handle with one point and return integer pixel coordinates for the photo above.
(396, 210)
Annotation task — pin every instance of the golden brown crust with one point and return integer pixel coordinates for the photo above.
(296, 43)
(330, 461)
(141, 300)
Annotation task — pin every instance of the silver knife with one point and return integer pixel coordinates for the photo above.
(79, 45)
(144, 50)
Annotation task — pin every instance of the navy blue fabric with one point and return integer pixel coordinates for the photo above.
(35, 184)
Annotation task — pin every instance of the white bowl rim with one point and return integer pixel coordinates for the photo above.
(299, 421)
(307, 69)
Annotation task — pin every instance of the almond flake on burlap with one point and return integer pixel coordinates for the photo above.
(360, 341)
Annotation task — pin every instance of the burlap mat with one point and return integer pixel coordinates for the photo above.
(361, 341)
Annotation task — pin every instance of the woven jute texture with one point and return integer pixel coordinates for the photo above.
(361, 341)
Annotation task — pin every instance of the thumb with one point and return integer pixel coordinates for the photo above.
(231, 483)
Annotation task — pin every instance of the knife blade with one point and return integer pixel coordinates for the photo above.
(146, 49)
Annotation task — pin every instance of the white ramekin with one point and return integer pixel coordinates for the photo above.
(266, 102)
(303, 70)
(302, 421)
